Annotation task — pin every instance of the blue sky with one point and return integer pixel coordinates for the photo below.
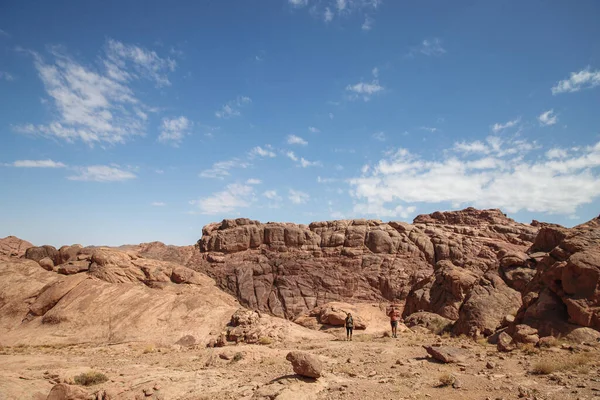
(126, 122)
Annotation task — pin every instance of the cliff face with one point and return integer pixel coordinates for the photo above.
(288, 269)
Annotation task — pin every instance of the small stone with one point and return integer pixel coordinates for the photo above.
(490, 365)
(372, 373)
(148, 392)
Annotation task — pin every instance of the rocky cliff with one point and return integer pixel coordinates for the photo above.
(288, 269)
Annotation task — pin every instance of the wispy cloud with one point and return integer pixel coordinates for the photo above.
(298, 3)
(158, 204)
(262, 152)
(291, 156)
(4, 33)
(379, 136)
(98, 106)
(497, 127)
(313, 129)
(428, 129)
(6, 76)
(173, 130)
(584, 79)
(368, 24)
(548, 118)
(228, 201)
(428, 47)
(102, 173)
(231, 109)
(298, 197)
(36, 164)
(293, 139)
(304, 163)
(253, 181)
(221, 169)
(364, 90)
(327, 15)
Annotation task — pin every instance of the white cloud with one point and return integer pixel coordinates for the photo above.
(472, 147)
(102, 173)
(272, 195)
(368, 24)
(500, 178)
(6, 76)
(145, 63)
(548, 118)
(298, 3)
(375, 72)
(327, 15)
(428, 129)
(221, 169)
(158, 204)
(291, 156)
(37, 164)
(173, 130)
(379, 136)
(500, 127)
(429, 47)
(234, 196)
(556, 153)
(231, 108)
(304, 163)
(325, 180)
(366, 90)
(376, 208)
(584, 79)
(260, 152)
(313, 129)
(298, 197)
(341, 5)
(293, 139)
(253, 181)
(98, 106)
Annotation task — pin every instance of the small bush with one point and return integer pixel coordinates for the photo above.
(265, 340)
(149, 349)
(528, 348)
(90, 378)
(577, 361)
(446, 380)
(237, 357)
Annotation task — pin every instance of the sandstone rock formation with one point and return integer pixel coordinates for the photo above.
(330, 315)
(564, 295)
(113, 296)
(289, 269)
(12, 246)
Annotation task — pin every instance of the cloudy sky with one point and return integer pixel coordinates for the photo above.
(125, 122)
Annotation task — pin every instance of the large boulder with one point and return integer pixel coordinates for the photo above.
(447, 354)
(12, 246)
(62, 391)
(305, 364)
(434, 322)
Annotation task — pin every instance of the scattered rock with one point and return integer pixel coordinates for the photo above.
(305, 364)
(505, 342)
(447, 354)
(62, 391)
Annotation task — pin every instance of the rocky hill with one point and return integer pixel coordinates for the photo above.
(288, 269)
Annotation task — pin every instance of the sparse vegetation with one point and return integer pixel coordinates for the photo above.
(528, 348)
(265, 340)
(237, 357)
(574, 362)
(446, 380)
(149, 349)
(90, 378)
(439, 327)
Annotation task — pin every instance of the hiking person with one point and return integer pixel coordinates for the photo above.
(349, 326)
(394, 317)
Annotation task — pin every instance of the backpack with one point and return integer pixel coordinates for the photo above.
(349, 322)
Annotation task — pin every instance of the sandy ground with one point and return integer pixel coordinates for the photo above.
(369, 367)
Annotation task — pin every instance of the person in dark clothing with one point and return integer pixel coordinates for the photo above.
(349, 326)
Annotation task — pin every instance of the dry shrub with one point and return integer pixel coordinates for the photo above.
(149, 349)
(265, 340)
(52, 319)
(573, 362)
(446, 380)
(237, 357)
(528, 348)
(439, 327)
(90, 378)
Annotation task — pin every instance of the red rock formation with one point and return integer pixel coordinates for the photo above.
(565, 292)
(289, 269)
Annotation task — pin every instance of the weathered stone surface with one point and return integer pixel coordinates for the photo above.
(289, 269)
(305, 364)
(565, 292)
(37, 253)
(73, 267)
(62, 391)
(331, 314)
(434, 322)
(505, 342)
(12, 246)
(447, 354)
(46, 263)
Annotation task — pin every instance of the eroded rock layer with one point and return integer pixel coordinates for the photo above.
(289, 269)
